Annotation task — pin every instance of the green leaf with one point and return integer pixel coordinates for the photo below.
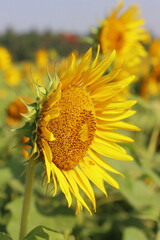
(5, 176)
(132, 233)
(62, 219)
(43, 233)
(141, 196)
(4, 236)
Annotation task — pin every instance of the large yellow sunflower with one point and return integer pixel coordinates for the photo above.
(77, 125)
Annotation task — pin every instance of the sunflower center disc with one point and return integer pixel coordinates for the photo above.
(73, 129)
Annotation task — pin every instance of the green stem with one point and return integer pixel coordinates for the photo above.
(153, 140)
(158, 231)
(27, 198)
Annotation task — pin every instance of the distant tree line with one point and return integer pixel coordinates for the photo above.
(23, 46)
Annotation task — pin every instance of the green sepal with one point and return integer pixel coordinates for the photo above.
(35, 153)
(29, 106)
(30, 115)
(40, 90)
(30, 127)
(53, 83)
(26, 130)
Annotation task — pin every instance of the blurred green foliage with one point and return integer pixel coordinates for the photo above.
(23, 46)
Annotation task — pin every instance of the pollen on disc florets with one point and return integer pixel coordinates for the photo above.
(73, 129)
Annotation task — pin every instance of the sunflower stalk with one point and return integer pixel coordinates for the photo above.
(27, 198)
(153, 140)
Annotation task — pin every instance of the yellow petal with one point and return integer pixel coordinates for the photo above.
(99, 161)
(106, 149)
(55, 96)
(71, 179)
(85, 185)
(115, 117)
(91, 76)
(47, 157)
(104, 80)
(121, 125)
(96, 58)
(112, 136)
(48, 135)
(54, 181)
(115, 106)
(91, 172)
(51, 114)
(64, 185)
(107, 177)
(111, 89)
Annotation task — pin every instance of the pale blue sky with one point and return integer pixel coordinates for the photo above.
(68, 15)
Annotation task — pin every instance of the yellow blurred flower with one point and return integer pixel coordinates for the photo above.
(31, 72)
(150, 82)
(5, 58)
(124, 33)
(26, 69)
(76, 121)
(14, 119)
(12, 75)
(25, 147)
(53, 54)
(37, 75)
(155, 48)
(3, 93)
(14, 110)
(42, 58)
(61, 65)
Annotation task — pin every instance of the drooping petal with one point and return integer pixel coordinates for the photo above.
(100, 161)
(107, 149)
(113, 136)
(71, 179)
(64, 185)
(90, 170)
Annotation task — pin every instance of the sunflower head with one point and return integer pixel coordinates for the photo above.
(73, 124)
(42, 58)
(122, 31)
(154, 49)
(150, 82)
(12, 75)
(15, 110)
(5, 58)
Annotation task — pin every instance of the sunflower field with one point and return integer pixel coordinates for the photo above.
(80, 133)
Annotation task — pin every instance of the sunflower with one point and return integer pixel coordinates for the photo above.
(42, 58)
(150, 81)
(15, 110)
(5, 58)
(150, 86)
(124, 33)
(12, 75)
(76, 122)
(3, 93)
(154, 49)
